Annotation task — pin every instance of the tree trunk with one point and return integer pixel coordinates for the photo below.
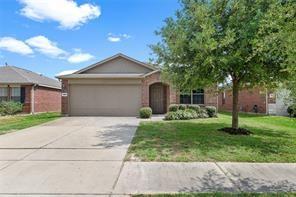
(235, 93)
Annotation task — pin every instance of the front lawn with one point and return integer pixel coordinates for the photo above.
(274, 140)
(14, 123)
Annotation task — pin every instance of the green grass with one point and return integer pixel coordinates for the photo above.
(274, 140)
(222, 195)
(14, 123)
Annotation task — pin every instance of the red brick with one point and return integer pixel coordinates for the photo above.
(247, 99)
(47, 99)
(64, 99)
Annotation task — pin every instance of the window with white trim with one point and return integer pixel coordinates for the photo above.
(15, 94)
(3, 94)
(193, 97)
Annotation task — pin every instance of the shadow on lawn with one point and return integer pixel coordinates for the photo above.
(203, 136)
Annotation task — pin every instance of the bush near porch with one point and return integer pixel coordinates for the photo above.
(187, 112)
(273, 140)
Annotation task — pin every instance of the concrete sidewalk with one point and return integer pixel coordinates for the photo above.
(173, 177)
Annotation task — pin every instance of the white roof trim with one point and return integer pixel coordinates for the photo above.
(111, 58)
(155, 71)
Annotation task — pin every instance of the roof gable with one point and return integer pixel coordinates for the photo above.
(117, 64)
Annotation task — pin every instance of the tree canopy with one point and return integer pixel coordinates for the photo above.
(247, 41)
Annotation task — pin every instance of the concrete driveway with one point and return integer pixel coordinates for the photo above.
(72, 155)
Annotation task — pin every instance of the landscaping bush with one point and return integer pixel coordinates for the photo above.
(203, 113)
(212, 111)
(292, 110)
(173, 107)
(171, 115)
(194, 107)
(181, 115)
(191, 113)
(10, 107)
(182, 107)
(145, 112)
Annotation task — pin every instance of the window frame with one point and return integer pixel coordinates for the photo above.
(17, 97)
(192, 96)
(4, 97)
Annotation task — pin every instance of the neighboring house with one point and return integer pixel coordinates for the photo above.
(120, 86)
(36, 92)
(256, 100)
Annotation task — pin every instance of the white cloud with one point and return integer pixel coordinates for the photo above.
(114, 39)
(79, 57)
(14, 45)
(45, 46)
(66, 12)
(117, 38)
(126, 36)
(66, 72)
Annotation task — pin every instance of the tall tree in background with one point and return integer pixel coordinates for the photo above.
(245, 41)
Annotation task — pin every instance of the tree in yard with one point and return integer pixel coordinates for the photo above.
(245, 41)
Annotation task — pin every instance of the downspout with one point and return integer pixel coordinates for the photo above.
(33, 99)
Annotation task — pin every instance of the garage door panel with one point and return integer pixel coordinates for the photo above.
(112, 100)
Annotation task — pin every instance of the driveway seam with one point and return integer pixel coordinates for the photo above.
(228, 175)
(37, 149)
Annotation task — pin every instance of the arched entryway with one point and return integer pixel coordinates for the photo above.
(158, 98)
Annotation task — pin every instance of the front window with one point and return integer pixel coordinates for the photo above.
(3, 93)
(15, 94)
(193, 97)
(198, 96)
(185, 98)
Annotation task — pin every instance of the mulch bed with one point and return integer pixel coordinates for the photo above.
(239, 131)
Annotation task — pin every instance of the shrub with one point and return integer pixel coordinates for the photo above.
(292, 110)
(10, 107)
(211, 110)
(203, 113)
(173, 107)
(192, 113)
(172, 115)
(194, 107)
(145, 112)
(181, 115)
(182, 107)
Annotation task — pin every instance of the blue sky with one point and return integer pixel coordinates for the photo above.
(51, 36)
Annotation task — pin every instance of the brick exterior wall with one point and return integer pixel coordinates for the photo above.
(173, 95)
(210, 93)
(211, 97)
(64, 99)
(47, 99)
(156, 78)
(247, 99)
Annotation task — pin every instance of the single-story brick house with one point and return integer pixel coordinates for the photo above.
(120, 86)
(36, 92)
(256, 100)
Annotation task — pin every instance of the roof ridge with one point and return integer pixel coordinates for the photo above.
(25, 77)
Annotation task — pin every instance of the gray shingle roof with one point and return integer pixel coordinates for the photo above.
(15, 75)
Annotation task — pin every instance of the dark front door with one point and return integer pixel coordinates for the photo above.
(157, 98)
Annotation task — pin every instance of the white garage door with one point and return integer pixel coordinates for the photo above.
(105, 100)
